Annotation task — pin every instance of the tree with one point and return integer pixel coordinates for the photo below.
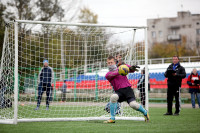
(2, 27)
(19, 9)
(162, 50)
(168, 50)
(47, 9)
(87, 16)
(44, 10)
(94, 38)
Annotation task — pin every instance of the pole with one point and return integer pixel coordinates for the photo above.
(75, 85)
(35, 82)
(16, 75)
(131, 50)
(62, 57)
(146, 72)
(3, 52)
(85, 49)
(96, 86)
(54, 83)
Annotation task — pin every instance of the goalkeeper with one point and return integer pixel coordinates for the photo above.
(123, 91)
(118, 61)
(46, 78)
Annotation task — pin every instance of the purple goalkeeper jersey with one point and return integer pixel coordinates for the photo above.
(117, 81)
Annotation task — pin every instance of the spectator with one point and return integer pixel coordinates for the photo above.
(46, 78)
(118, 59)
(193, 82)
(141, 87)
(175, 73)
(63, 91)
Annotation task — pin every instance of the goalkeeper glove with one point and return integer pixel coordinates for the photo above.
(134, 68)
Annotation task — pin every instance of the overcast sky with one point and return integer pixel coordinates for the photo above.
(135, 12)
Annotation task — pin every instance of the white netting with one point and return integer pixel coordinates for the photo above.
(78, 55)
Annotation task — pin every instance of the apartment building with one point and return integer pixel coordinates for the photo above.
(185, 26)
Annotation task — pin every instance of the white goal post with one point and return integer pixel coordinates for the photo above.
(77, 55)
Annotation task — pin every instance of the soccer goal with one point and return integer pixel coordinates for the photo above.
(77, 53)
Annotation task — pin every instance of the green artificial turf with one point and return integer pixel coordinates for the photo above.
(187, 122)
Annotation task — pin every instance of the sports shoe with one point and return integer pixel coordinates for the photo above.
(109, 121)
(176, 113)
(47, 108)
(37, 108)
(168, 113)
(146, 117)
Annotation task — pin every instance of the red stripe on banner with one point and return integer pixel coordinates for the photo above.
(104, 84)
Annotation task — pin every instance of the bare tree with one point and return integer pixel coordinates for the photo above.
(19, 9)
(47, 9)
(2, 27)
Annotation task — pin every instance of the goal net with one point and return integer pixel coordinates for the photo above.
(76, 55)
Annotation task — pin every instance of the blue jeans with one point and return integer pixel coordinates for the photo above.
(193, 99)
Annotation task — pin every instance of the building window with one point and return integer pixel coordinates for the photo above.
(160, 33)
(197, 23)
(173, 32)
(198, 44)
(153, 33)
(153, 26)
(198, 31)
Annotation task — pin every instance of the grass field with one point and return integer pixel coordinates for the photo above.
(187, 122)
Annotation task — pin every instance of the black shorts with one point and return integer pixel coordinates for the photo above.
(125, 94)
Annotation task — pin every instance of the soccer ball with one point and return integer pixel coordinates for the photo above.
(123, 70)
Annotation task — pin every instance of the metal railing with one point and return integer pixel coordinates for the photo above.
(169, 60)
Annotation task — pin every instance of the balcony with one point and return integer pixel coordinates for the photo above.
(175, 27)
(174, 37)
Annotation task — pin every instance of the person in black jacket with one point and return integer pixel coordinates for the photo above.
(46, 78)
(141, 87)
(175, 73)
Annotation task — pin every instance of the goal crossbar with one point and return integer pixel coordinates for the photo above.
(78, 24)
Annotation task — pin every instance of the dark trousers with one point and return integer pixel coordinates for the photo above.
(63, 96)
(41, 88)
(173, 91)
(142, 96)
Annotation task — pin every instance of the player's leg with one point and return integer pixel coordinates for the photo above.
(130, 97)
(48, 90)
(51, 94)
(193, 99)
(178, 102)
(169, 100)
(113, 107)
(143, 97)
(133, 104)
(62, 97)
(198, 98)
(169, 103)
(40, 92)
